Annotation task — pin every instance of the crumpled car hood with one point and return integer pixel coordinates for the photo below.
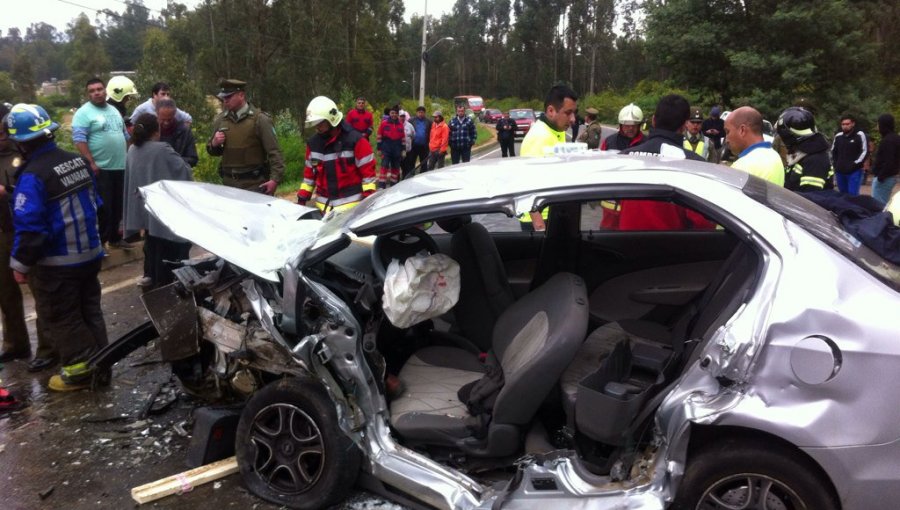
(256, 232)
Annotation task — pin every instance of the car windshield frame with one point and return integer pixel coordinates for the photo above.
(824, 226)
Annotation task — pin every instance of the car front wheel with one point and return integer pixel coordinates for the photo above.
(290, 449)
(754, 475)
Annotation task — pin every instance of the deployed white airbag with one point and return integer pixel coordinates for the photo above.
(423, 287)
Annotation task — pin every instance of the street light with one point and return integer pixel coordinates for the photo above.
(422, 69)
(425, 51)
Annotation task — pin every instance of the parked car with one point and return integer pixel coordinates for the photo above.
(492, 115)
(750, 364)
(524, 118)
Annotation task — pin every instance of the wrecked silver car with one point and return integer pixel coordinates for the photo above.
(742, 362)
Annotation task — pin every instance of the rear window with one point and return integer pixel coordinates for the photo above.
(825, 226)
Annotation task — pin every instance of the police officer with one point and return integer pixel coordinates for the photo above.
(593, 133)
(57, 243)
(696, 141)
(244, 137)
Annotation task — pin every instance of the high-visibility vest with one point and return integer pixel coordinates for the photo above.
(701, 149)
(540, 137)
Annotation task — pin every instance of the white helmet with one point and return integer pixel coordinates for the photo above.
(631, 115)
(119, 87)
(321, 108)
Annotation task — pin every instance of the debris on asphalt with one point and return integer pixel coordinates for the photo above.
(44, 494)
(185, 481)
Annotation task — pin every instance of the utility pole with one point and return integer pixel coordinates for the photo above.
(422, 56)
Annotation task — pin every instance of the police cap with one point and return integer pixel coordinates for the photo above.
(696, 115)
(229, 86)
(592, 111)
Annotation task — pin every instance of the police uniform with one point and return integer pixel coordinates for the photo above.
(700, 144)
(250, 154)
(593, 133)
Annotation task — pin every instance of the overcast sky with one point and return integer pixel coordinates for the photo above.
(60, 12)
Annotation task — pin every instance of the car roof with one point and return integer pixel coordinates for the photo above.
(511, 186)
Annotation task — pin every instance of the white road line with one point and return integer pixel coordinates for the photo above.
(495, 151)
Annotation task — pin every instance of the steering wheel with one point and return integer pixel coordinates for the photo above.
(399, 245)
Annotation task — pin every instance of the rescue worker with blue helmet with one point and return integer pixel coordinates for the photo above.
(57, 243)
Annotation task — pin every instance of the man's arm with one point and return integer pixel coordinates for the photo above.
(190, 155)
(215, 146)
(82, 146)
(864, 149)
(28, 222)
(308, 186)
(365, 165)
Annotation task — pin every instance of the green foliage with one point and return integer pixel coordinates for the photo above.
(7, 91)
(87, 57)
(23, 79)
(787, 49)
(163, 62)
(645, 95)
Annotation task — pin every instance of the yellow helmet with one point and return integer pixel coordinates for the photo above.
(321, 108)
(631, 115)
(120, 87)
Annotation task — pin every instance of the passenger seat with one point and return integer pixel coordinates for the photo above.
(649, 346)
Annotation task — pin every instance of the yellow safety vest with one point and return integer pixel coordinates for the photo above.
(540, 137)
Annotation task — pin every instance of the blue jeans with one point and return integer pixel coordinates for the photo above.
(881, 188)
(849, 183)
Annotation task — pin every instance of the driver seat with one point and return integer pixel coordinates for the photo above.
(484, 292)
(533, 342)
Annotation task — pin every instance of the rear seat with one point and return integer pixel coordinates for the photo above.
(647, 347)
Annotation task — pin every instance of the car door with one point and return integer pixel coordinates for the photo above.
(644, 273)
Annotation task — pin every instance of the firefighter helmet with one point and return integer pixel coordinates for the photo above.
(29, 121)
(119, 87)
(631, 115)
(321, 108)
(794, 125)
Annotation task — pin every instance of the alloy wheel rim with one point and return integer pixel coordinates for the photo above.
(289, 451)
(750, 491)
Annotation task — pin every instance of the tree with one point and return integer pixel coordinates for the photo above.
(23, 79)
(7, 91)
(87, 58)
(765, 53)
(123, 35)
(163, 62)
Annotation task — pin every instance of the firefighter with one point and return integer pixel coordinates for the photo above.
(340, 165)
(808, 162)
(629, 134)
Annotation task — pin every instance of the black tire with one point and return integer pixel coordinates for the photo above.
(309, 465)
(721, 476)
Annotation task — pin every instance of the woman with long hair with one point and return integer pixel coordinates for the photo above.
(148, 161)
